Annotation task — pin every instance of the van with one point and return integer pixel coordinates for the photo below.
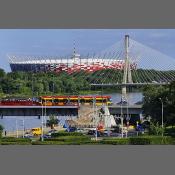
(36, 131)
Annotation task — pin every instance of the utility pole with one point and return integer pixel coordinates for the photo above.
(42, 132)
(23, 127)
(45, 116)
(95, 117)
(16, 128)
(162, 115)
(121, 117)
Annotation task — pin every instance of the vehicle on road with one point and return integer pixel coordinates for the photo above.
(28, 135)
(71, 129)
(46, 136)
(107, 133)
(36, 131)
(52, 131)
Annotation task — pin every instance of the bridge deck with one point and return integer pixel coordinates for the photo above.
(36, 107)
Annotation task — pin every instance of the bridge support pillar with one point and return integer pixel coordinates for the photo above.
(124, 93)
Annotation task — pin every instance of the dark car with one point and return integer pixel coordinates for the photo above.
(140, 128)
(46, 136)
(71, 129)
(93, 132)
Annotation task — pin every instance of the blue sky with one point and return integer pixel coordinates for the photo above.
(60, 41)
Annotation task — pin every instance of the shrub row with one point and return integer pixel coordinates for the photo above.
(158, 140)
(48, 143)
(68, 138)
(82, 140)
(13, 139)
(66, 143)
(116, 141)
(58, 134)
(15, 143)
(141, 140)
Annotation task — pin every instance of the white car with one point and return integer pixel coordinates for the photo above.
(28, 135)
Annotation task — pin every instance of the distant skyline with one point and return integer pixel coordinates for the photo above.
(60, 41)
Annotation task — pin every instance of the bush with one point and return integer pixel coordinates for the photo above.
(68, 138)
(1, 130)
(153, 140)
(58, 134)
(139, 141)
(13, 139)
(48, 143)
(158, 140)
(116, 141)
(15, 143)
(65, 143)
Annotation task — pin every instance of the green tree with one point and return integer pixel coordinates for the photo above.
(38, 88)
(155, 128)
(52, 121)
(1, 130)
(2, 73)
(152, 104)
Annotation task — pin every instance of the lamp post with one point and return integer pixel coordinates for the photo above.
(95, 117)
(23, 128)
(162, 114)
(42, 134)
(16, 128)
(122, 115)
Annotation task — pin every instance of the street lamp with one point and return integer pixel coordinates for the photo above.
(122, 115)
(162, 114)
(42, 134)
(16, 128)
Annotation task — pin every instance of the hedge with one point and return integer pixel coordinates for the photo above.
(48, 143)
(14, 139)
(58, 134)
(158, 140)
(153, 140)
(65, 143)
(68, 138)
(15, 143)
(116, 141)
(139, 141)
(85, 140)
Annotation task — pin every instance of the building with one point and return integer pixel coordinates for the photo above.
(71, 64)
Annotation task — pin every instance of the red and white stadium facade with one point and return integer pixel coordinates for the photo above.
(71, 65)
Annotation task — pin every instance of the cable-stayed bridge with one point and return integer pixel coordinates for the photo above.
(139, 65)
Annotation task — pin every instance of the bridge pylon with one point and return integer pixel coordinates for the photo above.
(127, 77)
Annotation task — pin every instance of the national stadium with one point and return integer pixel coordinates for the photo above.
(70, 64)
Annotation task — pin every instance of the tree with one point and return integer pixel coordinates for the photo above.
(2, 73)
(38, 88)
(1, 130)
(156, 129)
(152, 104)
(52, 121)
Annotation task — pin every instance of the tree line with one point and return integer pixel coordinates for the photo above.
(28, 83)
(156, 97)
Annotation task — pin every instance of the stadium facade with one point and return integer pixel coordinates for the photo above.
(70, 65)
